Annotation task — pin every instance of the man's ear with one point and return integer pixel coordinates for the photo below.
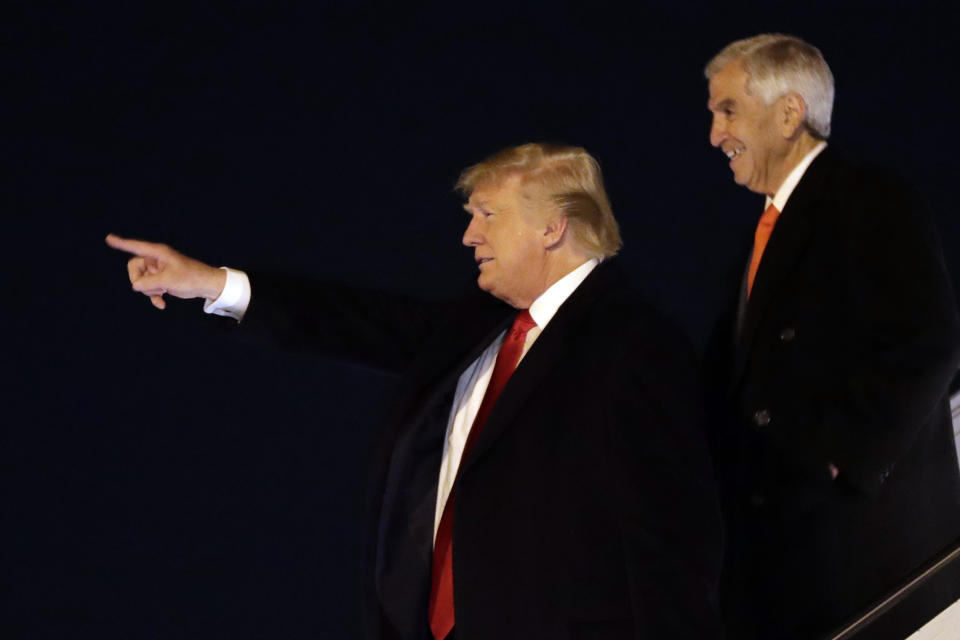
(555, 231)
(791, 112)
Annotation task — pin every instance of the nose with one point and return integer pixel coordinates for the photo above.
(718, 132)
(472, 236)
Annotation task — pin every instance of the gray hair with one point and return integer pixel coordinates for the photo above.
(777, 64)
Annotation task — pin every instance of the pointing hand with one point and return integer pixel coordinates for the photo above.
(157, 269)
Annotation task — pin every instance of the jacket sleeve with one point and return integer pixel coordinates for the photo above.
(907, 351)
(373, 329)
(893, 342)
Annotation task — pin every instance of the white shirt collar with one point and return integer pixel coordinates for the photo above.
(780, 198)
(545, 307)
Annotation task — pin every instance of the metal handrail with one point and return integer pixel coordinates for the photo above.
(914, 580)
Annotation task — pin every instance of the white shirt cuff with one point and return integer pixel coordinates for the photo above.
(235, 297)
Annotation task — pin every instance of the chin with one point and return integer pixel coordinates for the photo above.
(746, 184)
(487, 287)
(499, 295)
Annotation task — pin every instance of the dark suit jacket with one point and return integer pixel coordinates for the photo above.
(587, 508)
(842, 356)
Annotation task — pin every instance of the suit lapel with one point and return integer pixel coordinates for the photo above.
(788, 241)
(541, 359)
(405, 528)
(405, 531)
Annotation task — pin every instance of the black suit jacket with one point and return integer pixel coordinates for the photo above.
(587, 508)
(842, 356)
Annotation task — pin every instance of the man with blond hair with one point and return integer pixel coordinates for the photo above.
(545, 474)
(839, 474)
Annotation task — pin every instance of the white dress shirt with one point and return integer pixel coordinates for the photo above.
(779, 199)
(473, 382)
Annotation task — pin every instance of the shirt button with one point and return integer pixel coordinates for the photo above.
(761, 418)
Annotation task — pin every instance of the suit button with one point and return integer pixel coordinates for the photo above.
(761, 418)
(788, 334)
(757, 500)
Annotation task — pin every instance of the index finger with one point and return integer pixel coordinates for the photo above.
(136, 247)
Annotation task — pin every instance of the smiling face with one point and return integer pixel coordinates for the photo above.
(748, 132)
(507, 234)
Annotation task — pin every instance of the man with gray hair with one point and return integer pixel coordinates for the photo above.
(833, 438)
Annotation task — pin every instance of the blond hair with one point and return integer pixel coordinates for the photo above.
(777, 64)
(571, 179)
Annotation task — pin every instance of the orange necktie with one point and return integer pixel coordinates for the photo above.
(441, 587)
(760, 238)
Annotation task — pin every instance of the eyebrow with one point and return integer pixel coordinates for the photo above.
(476, 203)
(723, 104)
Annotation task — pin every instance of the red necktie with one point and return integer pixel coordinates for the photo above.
(760, 238)
(441, 587)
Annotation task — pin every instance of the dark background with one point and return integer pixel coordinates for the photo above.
(163, 481)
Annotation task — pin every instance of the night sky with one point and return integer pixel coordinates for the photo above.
(162, 480)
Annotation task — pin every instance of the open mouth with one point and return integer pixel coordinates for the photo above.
(733, 154)
(481, 261)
